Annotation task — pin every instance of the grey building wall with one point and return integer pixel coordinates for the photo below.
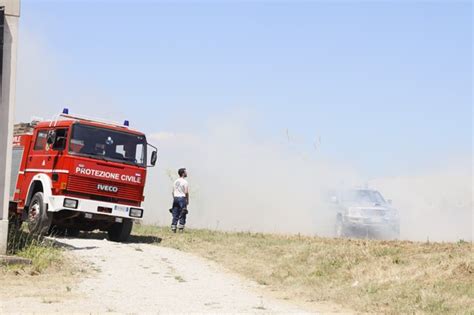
(7, 104)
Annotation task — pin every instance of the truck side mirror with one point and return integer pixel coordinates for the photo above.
(154, 157)
(51, 137)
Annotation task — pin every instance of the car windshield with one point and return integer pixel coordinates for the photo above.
(363, 196)
(108, 144)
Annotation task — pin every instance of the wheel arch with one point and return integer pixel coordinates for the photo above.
(39, 183)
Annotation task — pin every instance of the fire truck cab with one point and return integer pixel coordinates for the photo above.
(74, 174)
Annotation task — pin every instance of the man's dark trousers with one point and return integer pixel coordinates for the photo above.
(179, 212)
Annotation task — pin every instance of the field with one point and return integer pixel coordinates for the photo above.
(362, 275)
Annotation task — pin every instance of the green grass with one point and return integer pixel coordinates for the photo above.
(42, 253)
(363, 275)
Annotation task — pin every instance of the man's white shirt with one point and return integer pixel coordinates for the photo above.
(180, 187)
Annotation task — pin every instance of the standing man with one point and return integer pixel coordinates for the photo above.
(180, 201)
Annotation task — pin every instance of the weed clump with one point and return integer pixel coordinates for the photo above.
(42, 252)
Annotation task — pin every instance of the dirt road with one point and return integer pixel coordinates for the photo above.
(137, 278)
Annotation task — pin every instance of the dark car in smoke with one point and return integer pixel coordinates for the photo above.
(365, 213)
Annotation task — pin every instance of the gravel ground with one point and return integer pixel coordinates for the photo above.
(143, 278)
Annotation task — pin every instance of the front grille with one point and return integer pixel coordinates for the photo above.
(87, 185)
(373, 213)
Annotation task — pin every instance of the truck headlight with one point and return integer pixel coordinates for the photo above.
(136, 213)
(70, 203)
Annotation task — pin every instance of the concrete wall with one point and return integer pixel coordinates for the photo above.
(12, 7)
(7, 104)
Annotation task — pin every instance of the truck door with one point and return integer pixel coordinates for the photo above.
(36, 159)
(39, 161)
(57, 148)
(43, 156)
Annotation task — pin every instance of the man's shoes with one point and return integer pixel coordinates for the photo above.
(181, 230)
(173, 228)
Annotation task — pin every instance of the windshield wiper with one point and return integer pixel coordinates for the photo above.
(130, 161)
(94, 156)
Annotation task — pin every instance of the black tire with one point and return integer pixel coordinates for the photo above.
(39, 220)
(340, 232)
(120, 232)
(71, 232)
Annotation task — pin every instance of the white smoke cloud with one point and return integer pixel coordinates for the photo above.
(45, 85)
(240, 182)
(435, 205)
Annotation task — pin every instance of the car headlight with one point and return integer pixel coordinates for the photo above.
(354, 212)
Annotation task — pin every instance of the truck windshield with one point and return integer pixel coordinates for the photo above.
(108, 144)
(364, 196)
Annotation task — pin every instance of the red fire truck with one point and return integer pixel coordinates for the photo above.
(75, 173)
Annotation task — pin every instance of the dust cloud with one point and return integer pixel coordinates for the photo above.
(434, 206)
(240, 183)
(243, 183)
(45, 85)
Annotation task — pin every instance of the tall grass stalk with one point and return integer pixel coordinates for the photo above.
(42, 252)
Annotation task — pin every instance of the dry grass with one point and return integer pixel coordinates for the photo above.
(43, 253)
(363, 275)
(51, 275)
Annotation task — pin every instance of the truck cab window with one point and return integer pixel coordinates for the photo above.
(41, 140)
(60, 143)
(108, 144)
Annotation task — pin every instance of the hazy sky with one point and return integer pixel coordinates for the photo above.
(387, 86)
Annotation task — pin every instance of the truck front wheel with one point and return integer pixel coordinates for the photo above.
(39, 220)
(120, 232)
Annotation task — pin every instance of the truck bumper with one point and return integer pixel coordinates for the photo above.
(59, 203)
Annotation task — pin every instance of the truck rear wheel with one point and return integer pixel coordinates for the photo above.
(39, 220)
(120, 232)
(72, 232)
